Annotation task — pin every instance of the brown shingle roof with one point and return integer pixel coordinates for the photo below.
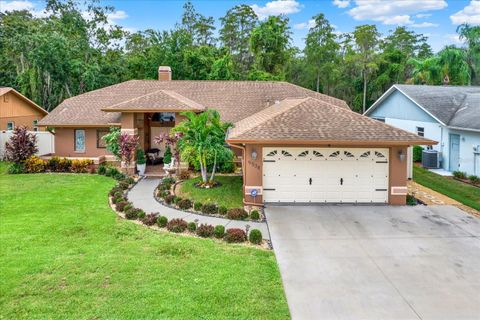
(311, 120)
(234, 100)
(166, 100)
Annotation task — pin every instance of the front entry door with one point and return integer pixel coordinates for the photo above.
(454, 158)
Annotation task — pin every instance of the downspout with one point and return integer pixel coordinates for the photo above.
(243, 175)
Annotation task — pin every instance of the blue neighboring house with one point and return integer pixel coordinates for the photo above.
(447, 114)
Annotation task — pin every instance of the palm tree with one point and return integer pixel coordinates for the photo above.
(202, 137)
(426, 71)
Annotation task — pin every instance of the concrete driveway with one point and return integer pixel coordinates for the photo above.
(378, 262)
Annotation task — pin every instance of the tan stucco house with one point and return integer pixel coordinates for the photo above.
(17, 110)
(296, 145)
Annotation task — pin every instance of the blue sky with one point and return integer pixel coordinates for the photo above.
(437, 19)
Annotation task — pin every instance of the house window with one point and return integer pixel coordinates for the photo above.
(79, 140)
(100, 134)
(421, 131)
(10, 125)
(35, 125)
(380, 119)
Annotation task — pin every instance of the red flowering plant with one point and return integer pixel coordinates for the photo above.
(21, 146)
(128, 144)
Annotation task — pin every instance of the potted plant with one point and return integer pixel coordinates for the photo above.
(141, 162)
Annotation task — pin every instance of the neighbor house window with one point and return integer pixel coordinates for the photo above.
(421, 131)
(100, 134)
(380, 119)
(35, 125)
(10, 125)
(79, 140)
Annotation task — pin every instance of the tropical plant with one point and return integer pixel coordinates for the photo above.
(112, 142)
(21, 145)
(202, 137)
(128, 144)
(141, 157)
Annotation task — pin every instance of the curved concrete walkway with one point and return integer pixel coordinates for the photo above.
(141, 195)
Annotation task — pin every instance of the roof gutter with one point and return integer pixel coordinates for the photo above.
(336, 142)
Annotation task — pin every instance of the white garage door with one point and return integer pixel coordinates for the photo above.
(319, 175)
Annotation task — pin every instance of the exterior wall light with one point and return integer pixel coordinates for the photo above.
(254, 155)
(401, 155)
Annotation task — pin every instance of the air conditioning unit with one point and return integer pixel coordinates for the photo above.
(430, 159)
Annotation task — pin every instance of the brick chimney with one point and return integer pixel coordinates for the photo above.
(164, 73)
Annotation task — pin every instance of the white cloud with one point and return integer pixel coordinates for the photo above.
(22, 5)
(16, 6)
(117, 15)
(394, 12)
(341, 3)
(423, 15)
(305, 25)
(277, 7)
(470, 14)
(424, 25)
(455, 38)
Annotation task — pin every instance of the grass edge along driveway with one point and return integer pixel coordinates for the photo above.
(65, 255)
(462, 192)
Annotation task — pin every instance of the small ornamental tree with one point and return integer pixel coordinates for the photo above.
(128, 144)
(21, 146)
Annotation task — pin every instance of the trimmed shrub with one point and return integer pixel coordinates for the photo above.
(197, 206)
(150, 219)
(162, 194)
(53, 164)
(168, 180)
(114, 190)
(131, 214)
(127, 207)
(118, 199)
(474, 179)
(177, 225)
(64, 165)
(164, 187)
(235, 235)
(16, 168)
(255, 236)
(35, 165)
(130, 180)
(205, 230)
(411, 201)
(140, 214)
(417, 153)
(118, 194)
(176, 200)
(162, 221)
(192, 226)
(184, 204)
(81, 165)
(123, 184)
(219, 231)
(101, 170)
(169, 199)
(222, 210)
(210, 208)
(120, 206)
(254, 215)
(119, 176)
(167, 156)
(111, 171)
(459, 174)
(237, 214)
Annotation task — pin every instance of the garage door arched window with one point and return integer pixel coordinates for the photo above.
(348, 154)
(317, 154)
(303, 154)
(334, 154)
(366, 154)
(272, 153)
(379, 155)
(286, 153)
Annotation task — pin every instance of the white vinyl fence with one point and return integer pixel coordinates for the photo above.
(45, 142)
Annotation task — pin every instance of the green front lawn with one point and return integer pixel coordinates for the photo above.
(65, 255)
(463, 193)
(229, 194)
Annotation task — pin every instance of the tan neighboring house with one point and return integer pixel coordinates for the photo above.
(296, 145)
(17, 110)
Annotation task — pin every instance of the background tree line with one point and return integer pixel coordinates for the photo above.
(73, 51)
